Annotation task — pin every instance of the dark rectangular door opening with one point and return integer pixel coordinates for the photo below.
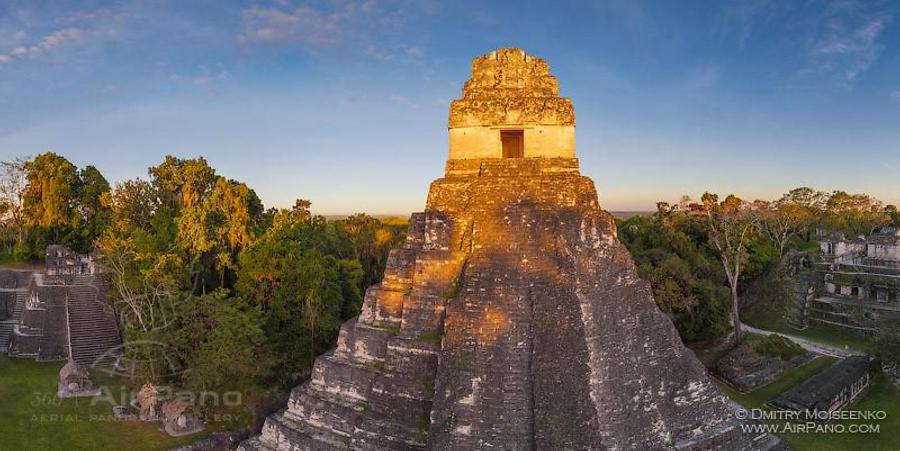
(513, 143)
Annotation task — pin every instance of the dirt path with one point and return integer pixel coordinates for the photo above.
(805, 343)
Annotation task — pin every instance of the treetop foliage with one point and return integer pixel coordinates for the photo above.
(692, 252)
(213, 291)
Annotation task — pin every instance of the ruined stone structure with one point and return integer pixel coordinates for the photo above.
(61, 313)
(63, 261)
(858, 281)
(148, 403)
(835, 388)
(14, 290)
(512, 317)
(179, 418)
(74, 380)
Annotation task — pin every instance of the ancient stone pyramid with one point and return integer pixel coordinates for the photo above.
(512, 317)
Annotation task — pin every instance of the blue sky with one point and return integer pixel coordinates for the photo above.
(345, 103)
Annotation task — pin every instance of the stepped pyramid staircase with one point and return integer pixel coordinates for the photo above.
(93, 330)
(6, 330)
(7, 327)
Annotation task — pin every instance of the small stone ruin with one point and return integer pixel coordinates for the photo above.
(147, 402)
(74, 380)
(180, 419)
(177, 416)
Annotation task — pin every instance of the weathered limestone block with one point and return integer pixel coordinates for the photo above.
(382, 307)
(401, 397)
(415, 233)
(442, 270)
(340, 377)
(283, 432)
(327, 412)
(14, 278)
(399, 269)
(369, 345)
(423, 315)
(437, 234)
(359, 343)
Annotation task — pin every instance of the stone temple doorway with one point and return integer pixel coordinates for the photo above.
(513, 142)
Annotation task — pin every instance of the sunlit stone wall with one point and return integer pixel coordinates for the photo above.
(510, 90)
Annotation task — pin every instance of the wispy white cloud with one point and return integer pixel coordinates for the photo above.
(304, 24)
(742, 18)
(204, 77)
(846, 41)
(48, 43)
(385, 53)
(27, 35)
(837, 41)
(337, 24)
(895, 94)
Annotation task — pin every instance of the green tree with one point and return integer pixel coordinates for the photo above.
(134, 204)
(51, 194)
(235, 212)
(13, 182)
(786, 218)
(214, 218)
(672, 253)
(304, 294)
(49, 205)
(892, 212)
(854, 214)
(93, 206)
(221, 342)
(731, 225)
(182, 183)
(369, 241)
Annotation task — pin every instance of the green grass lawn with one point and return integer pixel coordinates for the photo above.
(34, 419)
(835, 336)
(883, 396)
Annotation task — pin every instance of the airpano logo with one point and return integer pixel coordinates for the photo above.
(811, 421)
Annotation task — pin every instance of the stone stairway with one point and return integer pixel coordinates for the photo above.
(6, 330)
(19, 306)
(8, 327)
(92, 323)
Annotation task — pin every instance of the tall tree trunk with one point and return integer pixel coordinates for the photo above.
(736, 314)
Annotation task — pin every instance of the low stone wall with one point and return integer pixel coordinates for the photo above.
(746, 370)
(15, 278)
